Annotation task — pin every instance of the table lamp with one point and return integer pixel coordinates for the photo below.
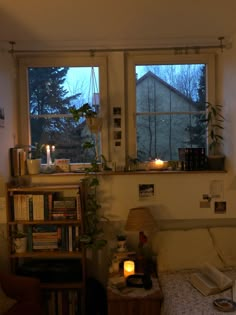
(140, 220)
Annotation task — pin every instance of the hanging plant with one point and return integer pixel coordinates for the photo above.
(85, 111)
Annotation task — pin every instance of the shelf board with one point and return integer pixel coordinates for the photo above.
(42, 188)
(48, 254)
(45, 222)
(63, 285)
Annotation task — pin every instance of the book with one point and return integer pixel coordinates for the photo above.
(210, 280)
(38, 207)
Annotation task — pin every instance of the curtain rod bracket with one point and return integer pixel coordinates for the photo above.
(221, 39)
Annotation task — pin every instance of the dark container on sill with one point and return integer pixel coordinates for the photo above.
(192, 159)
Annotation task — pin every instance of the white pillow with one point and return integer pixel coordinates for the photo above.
(224, 238)
(184, 249)
(5, 302)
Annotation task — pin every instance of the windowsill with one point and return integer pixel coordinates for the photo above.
(153, 172)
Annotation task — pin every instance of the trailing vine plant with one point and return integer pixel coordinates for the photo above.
(92, 236)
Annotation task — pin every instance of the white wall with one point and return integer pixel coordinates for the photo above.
(8, 134)
(8, 138)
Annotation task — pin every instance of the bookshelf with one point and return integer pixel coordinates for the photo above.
(51, 217)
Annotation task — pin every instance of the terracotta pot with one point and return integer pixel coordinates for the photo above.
(94, 124)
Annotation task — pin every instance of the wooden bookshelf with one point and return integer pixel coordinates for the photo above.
(49, 239)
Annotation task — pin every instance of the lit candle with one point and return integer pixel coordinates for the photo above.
(129, 268)
(48, 154)
(158, 164)
(53, 154)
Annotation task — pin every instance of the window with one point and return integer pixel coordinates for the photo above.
(168, 102)
(53, 86)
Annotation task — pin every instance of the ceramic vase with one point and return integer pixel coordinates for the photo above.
(33, 166)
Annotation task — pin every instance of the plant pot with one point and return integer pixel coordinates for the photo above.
(33, 166)
(216, 162)
(121, 246)
(94, 124)
(20, 245)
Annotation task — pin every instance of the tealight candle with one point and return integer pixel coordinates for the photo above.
(157, 164)
(129, 268)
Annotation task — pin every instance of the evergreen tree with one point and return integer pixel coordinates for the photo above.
(48, 96)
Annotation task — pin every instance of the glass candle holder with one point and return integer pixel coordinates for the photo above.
(129, 268)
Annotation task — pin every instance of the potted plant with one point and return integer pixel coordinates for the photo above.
(93, 121)
(19, 241)
(121, 242)
(34, 158)
(214, 121)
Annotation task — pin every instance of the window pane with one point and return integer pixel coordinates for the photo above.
(162, 135)
(170, 104)
(52, 91)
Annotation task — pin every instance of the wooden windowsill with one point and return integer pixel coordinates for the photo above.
(162, 172)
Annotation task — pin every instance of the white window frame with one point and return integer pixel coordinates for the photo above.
(134, 59)
(59, 60)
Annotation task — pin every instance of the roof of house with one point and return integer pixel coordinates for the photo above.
(170, 87)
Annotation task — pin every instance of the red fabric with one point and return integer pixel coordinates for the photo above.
(25, 290)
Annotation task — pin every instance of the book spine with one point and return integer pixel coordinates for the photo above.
(30, 205)
(46, 210)
(30, 239)
(70, 239)
(78, 205)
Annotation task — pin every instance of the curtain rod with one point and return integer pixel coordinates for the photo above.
(177, 49)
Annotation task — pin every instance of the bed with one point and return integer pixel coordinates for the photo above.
(181, 252)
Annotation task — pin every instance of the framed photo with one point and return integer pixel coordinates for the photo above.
(220, 206)
(116, 110)
(146, 191)
(117, 135)
(117, 122)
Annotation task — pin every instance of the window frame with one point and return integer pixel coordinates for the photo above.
(59, 60)
(136, 59)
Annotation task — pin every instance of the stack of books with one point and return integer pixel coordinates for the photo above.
(192, 159)
(64, 209)
(45, 237)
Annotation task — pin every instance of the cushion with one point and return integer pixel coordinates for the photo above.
(5, 302)
(224, 238)
(184, 249)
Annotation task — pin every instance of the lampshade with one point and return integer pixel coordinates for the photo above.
(140, 219)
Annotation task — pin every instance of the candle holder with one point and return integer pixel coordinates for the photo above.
(129, 268)
(158, 165)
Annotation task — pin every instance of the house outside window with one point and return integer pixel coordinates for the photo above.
(168, 104)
